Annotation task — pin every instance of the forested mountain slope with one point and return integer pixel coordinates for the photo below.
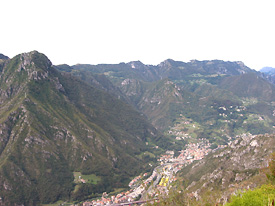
(53, 124)
(223, 99)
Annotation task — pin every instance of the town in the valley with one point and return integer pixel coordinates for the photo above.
(148, 187)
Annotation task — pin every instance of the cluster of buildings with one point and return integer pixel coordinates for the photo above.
(194, 151)
(180, 134)
(115, 199)
(136, 179)
(167, 157)
(231, 108)
(148, 180)
(137, 186)
(162, 177)
(79, 179)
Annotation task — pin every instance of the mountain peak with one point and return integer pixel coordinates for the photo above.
(34, 58)
(167, 62)
(33, 64)
(2, 56)
(136, 64)
(20, 70)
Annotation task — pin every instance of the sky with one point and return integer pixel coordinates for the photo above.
(114, 31)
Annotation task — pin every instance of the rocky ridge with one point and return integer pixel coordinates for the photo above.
(234, 168)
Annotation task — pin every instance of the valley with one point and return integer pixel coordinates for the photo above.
(116, 133)
(160, 181)
(211, 166)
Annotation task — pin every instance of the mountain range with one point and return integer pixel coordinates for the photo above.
(106, 122)
(269, 73)
(268, 70)
(224, 98)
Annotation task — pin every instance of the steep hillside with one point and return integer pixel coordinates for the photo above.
(223, 99)
(237, 167)
(161, 99)
(219, 106)
(54, 124)
(248, 86)
(2, 56)
(3, 60)
(97, 80)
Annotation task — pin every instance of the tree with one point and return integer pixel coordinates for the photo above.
(271, 176)
(272, 164)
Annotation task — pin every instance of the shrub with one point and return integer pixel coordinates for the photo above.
(264, 195)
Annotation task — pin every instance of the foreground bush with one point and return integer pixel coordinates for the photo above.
(265, 195)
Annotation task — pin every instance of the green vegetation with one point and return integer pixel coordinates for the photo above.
(226, 185)
(198, 90)
(53, 124)
(94, 119)
(92, 178)
(58, 203)
(271, 175)
(178, 197)
(263, 196)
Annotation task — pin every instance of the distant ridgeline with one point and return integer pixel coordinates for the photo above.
(269, 74)
(219, 99)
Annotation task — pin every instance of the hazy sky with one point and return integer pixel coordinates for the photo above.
(114, 31)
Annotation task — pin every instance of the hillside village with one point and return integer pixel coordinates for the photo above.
(146, 186)
(149, 187)
(161, 178)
